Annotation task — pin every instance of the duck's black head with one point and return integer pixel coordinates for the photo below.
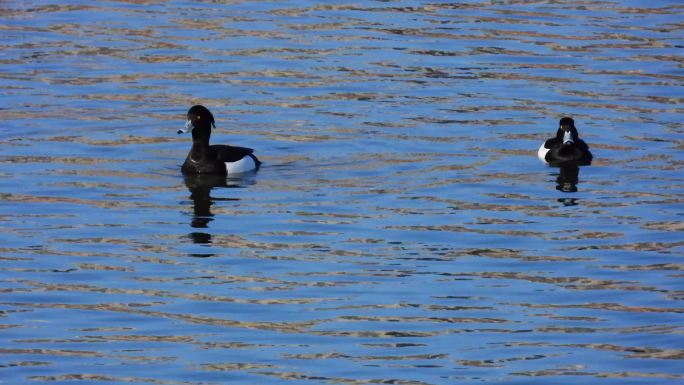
(199, 118)
(567, 133)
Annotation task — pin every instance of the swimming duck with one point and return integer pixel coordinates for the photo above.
(566, 147)
(217, 159)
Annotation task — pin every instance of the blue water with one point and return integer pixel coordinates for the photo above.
(401, 229)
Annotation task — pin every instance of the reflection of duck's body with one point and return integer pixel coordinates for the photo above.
(216, 159)
(566, 148)
(567, 179)
(200, 187)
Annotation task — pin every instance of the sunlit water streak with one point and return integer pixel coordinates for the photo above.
(401, 229)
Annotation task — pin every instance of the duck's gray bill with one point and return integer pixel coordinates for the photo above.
(567, 137)
(188, 127)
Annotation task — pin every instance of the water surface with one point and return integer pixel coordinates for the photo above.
(401, 230)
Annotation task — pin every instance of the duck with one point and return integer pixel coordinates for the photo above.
(215, 159)
(566, 148)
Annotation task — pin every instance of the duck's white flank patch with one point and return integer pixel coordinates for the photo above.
(243, 165)
(541, 154)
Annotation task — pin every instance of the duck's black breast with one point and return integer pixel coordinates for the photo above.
(203, 166)
(577, 152)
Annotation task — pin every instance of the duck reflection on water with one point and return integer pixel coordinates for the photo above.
(200, 187)
(567, 179)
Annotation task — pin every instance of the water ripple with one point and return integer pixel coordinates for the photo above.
(401, 230)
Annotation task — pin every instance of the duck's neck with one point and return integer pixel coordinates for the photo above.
(200, 144)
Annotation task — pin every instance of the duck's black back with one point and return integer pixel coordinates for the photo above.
(224, 153)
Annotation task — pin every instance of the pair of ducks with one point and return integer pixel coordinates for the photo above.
(566, 148)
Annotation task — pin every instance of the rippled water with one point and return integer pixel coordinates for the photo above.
(401, 230)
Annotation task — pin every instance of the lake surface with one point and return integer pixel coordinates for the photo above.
(401, 229)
